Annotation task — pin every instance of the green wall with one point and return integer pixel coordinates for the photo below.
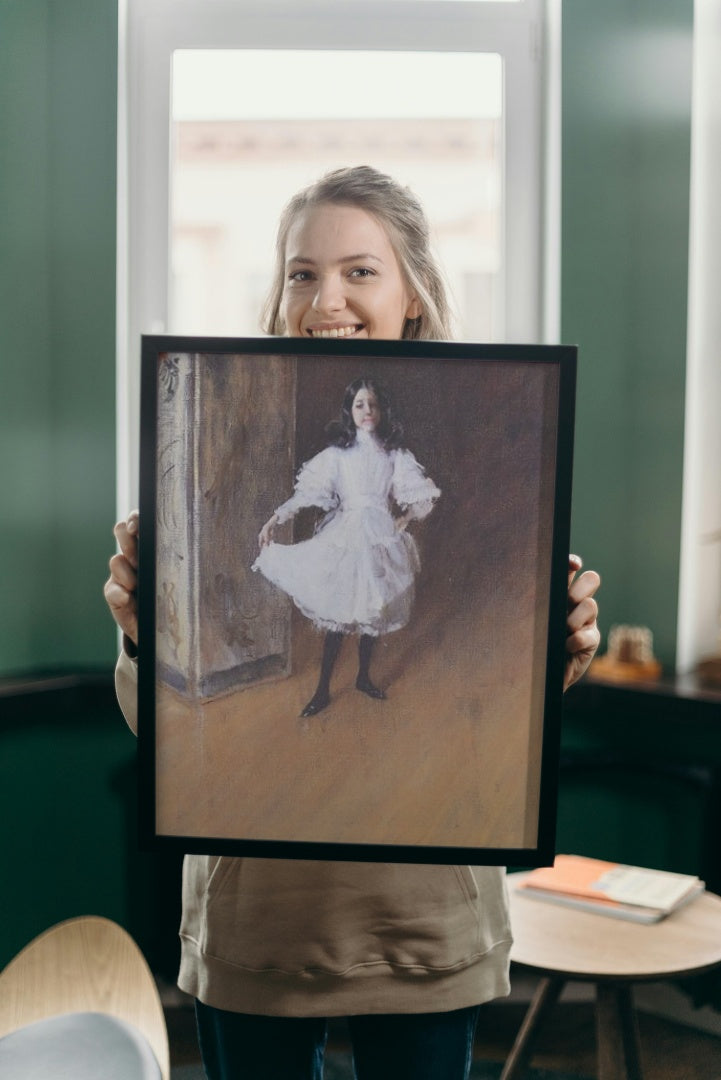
(58, 71)
(69, 813)
(626, 136)
(625, 201)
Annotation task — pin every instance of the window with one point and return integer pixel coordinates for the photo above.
(447, 95)
(236, 161)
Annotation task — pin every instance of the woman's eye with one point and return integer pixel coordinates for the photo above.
(362, 272)
(299, 276)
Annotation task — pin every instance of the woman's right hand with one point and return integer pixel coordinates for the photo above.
(266, 533)
(122, 585)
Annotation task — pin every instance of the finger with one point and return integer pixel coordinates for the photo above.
(123, 608)
(127, 542)
(575, 562)
(123, 573)
(583, 641)
(118, 598)
(585, 585)
(585, 613)
(126, 534)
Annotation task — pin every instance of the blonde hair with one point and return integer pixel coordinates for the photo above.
(403, 217)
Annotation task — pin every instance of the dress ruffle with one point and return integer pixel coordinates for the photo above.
(357, 573)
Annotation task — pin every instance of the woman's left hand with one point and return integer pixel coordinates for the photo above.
(582, 634)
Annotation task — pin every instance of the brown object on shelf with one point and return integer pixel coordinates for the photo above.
(709, 671)
(605, 667)
(630, 656)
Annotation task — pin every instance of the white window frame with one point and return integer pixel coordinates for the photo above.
(699, 598)
(526, 34)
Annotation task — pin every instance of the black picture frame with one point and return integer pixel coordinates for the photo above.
(459, 762)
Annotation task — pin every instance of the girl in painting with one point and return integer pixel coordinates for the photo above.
(356, 574)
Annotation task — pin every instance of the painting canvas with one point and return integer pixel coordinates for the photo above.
(415, 559)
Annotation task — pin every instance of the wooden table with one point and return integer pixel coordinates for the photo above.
(563, 944)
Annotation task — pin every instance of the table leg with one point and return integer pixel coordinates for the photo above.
(617, 1033)
(545, 997)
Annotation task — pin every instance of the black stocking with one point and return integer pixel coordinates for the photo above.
(321, 697)
(363, 682)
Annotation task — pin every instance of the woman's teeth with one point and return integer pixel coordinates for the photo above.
(337, 331)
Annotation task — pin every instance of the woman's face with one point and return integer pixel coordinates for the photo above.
(365, 410)
(342, 277)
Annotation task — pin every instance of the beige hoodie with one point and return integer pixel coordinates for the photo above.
(286, 937)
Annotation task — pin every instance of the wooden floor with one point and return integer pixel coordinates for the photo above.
(458, 729)
(566, 1043)
(669, 1051)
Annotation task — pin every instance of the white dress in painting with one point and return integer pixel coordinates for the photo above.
(356, 574)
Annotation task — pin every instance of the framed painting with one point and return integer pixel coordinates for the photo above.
(352, 597)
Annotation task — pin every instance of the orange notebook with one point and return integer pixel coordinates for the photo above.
(631, 892)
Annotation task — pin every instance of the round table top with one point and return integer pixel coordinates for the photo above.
(559, 940)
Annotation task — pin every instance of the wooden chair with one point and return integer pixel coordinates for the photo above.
(90, 972)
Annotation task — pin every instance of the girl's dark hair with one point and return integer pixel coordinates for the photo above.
(343, 432)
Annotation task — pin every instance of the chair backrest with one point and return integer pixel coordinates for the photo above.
(88, 964)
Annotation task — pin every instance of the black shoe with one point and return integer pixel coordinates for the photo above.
(316, 704)
(367, 687)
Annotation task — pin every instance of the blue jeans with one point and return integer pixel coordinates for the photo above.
(415, 1046)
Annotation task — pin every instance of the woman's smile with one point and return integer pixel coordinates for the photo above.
(334, 331)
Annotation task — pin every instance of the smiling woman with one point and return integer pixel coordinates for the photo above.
(271, 945)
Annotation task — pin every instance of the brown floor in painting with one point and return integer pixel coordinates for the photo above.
(443, 761)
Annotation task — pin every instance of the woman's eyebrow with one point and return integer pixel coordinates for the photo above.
(361, 257)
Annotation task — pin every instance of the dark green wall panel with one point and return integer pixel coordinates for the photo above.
(58, 76)
(68, 803)
(626, 146)
(26, 397)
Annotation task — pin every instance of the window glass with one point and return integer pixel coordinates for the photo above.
(238, 154)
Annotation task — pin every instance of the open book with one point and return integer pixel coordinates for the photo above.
(607, 888)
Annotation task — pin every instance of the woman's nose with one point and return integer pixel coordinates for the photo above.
(329, 296)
